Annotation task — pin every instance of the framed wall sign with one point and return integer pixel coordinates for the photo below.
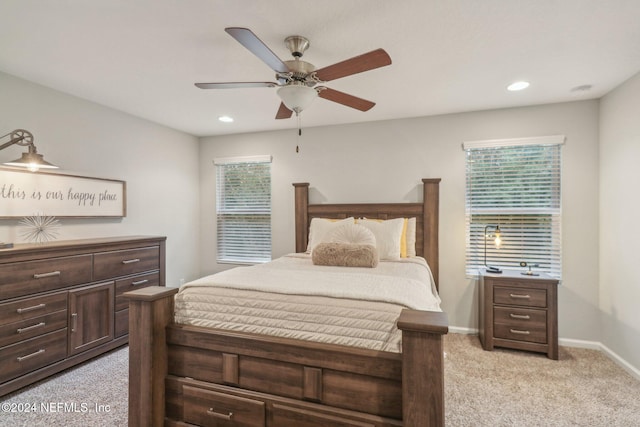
(24, 193)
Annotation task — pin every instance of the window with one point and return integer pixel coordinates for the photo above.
(243, 209)
(514, 184)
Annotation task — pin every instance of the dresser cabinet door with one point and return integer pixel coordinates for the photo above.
(90, 316)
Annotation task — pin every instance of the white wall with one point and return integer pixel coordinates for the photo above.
(385, 161)
(619, 213)
(158, 164)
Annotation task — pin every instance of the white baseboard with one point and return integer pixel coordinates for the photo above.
(568, 342)
(632, 370)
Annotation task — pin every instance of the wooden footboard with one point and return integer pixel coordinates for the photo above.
(213, 377)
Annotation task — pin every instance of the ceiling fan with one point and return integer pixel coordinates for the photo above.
(298, 80)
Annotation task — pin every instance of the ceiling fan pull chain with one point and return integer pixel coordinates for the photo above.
(299, 119)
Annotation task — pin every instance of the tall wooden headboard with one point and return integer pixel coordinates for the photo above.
(426, 214)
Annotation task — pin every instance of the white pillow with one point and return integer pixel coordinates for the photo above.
(321, 226)
(352, 234)
(388, 236)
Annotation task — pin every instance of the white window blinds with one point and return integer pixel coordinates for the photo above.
(516, 185)
(243, 209)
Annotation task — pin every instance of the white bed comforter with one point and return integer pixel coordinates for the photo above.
(291, 297)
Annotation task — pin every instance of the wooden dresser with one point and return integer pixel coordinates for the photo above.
(519, 311)
(61, 302)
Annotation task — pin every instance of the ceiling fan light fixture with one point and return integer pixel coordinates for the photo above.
(297, 97)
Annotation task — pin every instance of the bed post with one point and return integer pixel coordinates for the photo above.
(150, 311)
(422, 367)
(431, 201)
(301, 215)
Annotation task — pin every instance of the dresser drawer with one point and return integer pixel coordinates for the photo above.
(211, 409)
(29, 277)
(133, 283)
(532, 333)
(121, 325)
(29, 308)
(123, 263)
(25, 329)
(527, 297)
(29, 355)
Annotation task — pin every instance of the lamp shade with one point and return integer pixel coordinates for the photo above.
(32, 161)
(297, 97)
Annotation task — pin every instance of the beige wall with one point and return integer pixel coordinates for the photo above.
(619, 213)
(384, 162)
(158, 164)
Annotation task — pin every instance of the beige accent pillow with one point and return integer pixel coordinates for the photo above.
(345, 255)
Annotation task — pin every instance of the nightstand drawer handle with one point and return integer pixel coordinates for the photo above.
(33, 307)
(519, 316)
(28, 328)
(213, 413)
(44, 275)
(131, 261)
(517, 331)
(520, 296)
(139, 282)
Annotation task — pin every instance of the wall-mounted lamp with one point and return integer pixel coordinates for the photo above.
(31, 159)
(497, 240)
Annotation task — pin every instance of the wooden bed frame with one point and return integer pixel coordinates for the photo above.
(183, 375)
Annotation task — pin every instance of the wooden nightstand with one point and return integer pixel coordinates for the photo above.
(519, 312)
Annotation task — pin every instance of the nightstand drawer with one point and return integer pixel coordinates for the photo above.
(208, 409)
(520, 317)
(520, 296)
(511, 332)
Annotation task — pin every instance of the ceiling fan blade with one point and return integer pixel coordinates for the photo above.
(345, 99)
(246, 38)
(283, 112)
(365, 62)
(234, 85)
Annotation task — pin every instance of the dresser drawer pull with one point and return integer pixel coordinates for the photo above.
(74, 321)
(215, 414)
(43, 275)
(29, 356)
(517, 331)
(139, 282)
(519, 296)
(33, 307)
(131, 261)
(28, 328)
(519, 316)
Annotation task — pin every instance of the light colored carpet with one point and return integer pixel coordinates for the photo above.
(498, 388)
(513, 388)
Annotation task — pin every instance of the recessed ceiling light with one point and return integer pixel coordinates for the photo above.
(226, 119)
(517, 86)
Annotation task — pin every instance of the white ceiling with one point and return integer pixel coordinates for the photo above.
(143, 56)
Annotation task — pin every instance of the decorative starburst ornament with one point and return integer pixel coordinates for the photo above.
(40, 228)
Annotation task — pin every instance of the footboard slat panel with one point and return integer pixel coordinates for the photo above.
(283, 372)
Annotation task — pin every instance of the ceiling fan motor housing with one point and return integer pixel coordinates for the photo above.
(297, 45)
